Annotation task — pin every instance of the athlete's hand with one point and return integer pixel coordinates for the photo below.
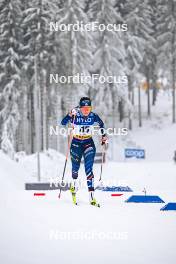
(73, 112)
(104, 141)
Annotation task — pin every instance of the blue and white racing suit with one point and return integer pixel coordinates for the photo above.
(83, 144)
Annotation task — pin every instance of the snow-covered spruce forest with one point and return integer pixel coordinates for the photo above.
(30, 52)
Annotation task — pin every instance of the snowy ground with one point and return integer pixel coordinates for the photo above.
(48, 230)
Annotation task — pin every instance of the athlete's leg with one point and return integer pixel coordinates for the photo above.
(89, 155)
(76, 155)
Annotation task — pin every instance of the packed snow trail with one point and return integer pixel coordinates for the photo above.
(47, 230)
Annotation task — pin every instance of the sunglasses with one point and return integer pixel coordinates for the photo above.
(86, 108)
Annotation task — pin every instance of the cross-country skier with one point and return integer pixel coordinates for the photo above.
(83, 120)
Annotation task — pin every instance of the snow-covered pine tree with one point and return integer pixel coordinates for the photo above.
(166, 39)
(10, 11)
(38, 41)
(108, 54)
(154, 14)
(146, 32)
(135, 12)
(76, 47)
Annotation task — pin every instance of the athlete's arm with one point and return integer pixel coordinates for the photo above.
(101, 124)
(70, 116)
(104, 140)
(66, 119)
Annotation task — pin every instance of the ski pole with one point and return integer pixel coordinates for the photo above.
(102, 161)
(67, 154)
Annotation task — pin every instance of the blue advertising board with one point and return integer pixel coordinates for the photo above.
(135, 153)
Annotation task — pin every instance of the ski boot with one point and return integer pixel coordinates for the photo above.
(73, 193)
(93, 200)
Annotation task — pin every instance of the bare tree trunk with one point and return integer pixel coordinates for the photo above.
(121, 110)
(173, 93)
(37, 107)
(154, 95)
(148, 94)
(173, 66)
(154, 89)
(32, 129)
(139, 106)
(19, 133)
(114, 125)
(24, 119)
(44, 111)
(130, 99)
